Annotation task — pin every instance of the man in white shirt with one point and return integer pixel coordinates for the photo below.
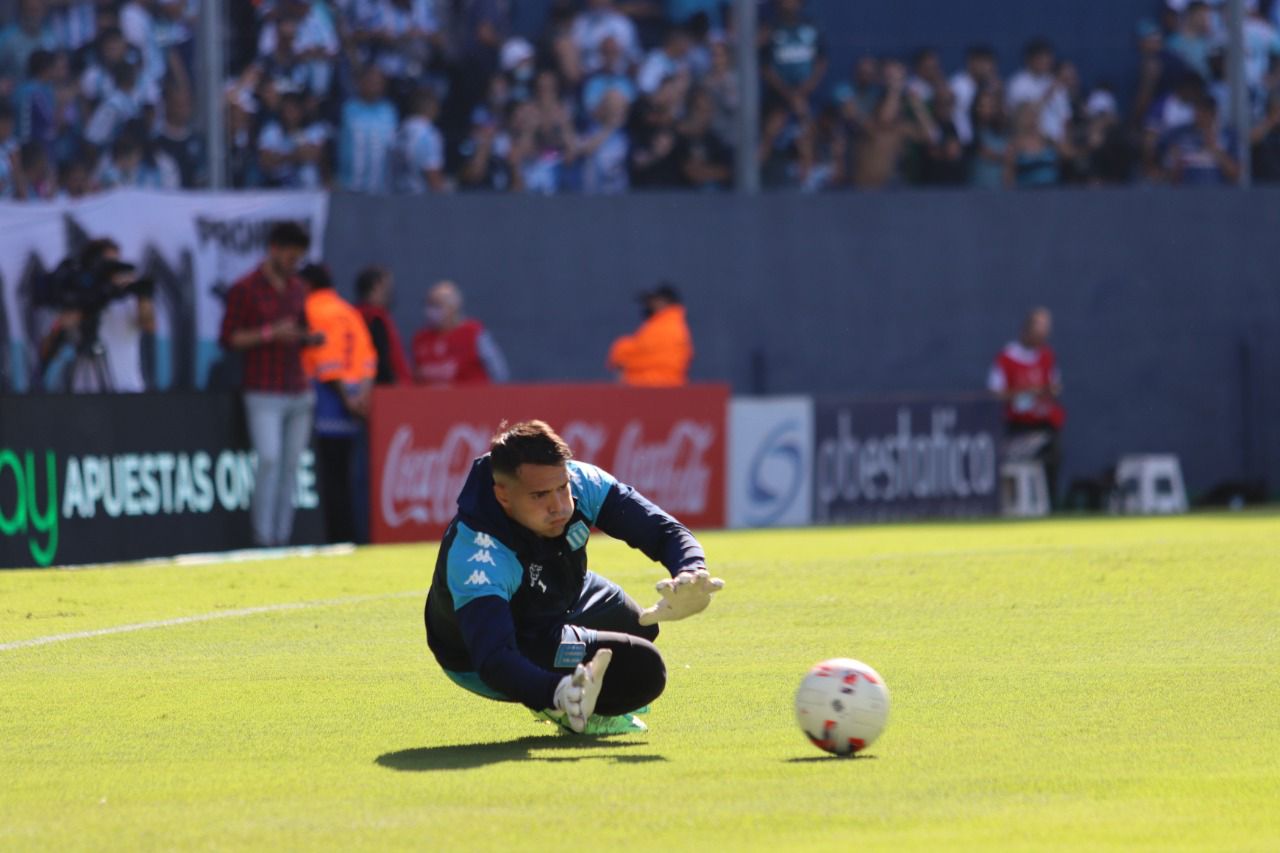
(598, 22)
(109, 351)
(1037, 84)
(979, 72)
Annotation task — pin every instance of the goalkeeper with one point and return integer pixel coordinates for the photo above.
(514, 614)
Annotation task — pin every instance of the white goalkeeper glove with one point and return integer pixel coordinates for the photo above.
(684, 595)
(576, 694)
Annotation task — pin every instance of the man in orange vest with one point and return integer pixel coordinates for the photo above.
(659, 352)
(341, 366)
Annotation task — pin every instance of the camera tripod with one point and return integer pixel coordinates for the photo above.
(90, 371)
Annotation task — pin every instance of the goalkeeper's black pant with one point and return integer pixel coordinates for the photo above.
(605, 617)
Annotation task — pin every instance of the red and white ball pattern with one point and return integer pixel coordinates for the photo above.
(842, 705)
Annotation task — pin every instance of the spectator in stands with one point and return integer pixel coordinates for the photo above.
(138, 23)
(598, 21)
(927, 77)
(128, 100)
(341, 369)
(519, 68)
(670, 60)
(829, 161)
(1106, 152)
(175, 25)
(35, 97)
(452, 349)
(1157, 71)
(1265, 140)
(176, 142)
(128, 165)
(284, 70)
(369, 125)
(979, 72)
(1025, 376)
(1200, 154)
(485, 29)
(75, 177)
(401, 37)
(794, 62)
(1032, 160)
(36, 179)
(1172, 111)
(486, 156)
(990, 139)
(1038, 86)
(374, 288)
(1195, 40)
(943, 162)
(265, 319)
(721, 82)
(419, 149)
(859, 97)
(659, 352)
(290, 149)
(705, 161)
(9, 145)
(612, 75)
(680, 11)
(96, 82)
(549, 139)
(604, 147)
(883, 135)
(653, 135)
(29, 32)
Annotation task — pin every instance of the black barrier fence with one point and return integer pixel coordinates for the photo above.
(898, 459)
(89, 479)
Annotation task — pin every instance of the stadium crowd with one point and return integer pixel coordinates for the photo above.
(415, 96)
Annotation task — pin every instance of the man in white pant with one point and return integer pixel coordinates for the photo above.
(266, 321)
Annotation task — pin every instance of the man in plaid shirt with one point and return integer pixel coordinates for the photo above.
(265, 320)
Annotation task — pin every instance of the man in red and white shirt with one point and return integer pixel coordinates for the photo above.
(451, 349)
(266, 321)
(1025, 375)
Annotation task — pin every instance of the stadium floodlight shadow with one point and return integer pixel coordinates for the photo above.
(464, 756)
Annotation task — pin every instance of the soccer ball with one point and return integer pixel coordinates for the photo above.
(842, 705)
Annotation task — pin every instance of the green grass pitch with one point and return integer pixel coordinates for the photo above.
(1081, 684)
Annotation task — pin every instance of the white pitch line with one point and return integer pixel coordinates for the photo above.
(202, 617)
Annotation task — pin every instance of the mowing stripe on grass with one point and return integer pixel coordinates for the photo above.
(204, 617)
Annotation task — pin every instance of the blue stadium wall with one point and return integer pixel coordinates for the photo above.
(1167, 303)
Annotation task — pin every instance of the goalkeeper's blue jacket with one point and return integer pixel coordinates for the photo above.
(499, 587)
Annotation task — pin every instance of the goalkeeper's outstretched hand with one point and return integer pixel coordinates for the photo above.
(684, 595)
(576, 694)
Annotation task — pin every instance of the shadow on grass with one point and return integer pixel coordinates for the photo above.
(811, 759)
(463, 756)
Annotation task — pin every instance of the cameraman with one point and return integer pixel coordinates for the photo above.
(105, 309)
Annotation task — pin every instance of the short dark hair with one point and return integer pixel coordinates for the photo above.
(1037, 47)
(526, 443)
(316, 276)
(367, 279)
(288, 234)
(40, 61)
(980, 51)
(93, 251)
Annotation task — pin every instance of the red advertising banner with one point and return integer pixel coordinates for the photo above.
(669, 443)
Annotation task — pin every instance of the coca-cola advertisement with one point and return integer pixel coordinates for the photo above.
(669, 443)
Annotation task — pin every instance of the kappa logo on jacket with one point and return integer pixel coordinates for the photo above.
(482, 557)
(478, 578)
(535, 576)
